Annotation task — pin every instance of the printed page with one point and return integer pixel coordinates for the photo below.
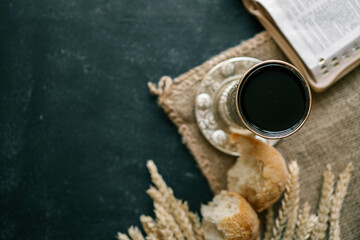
(324, 33)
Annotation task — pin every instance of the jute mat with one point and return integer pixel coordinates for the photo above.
(330, 136)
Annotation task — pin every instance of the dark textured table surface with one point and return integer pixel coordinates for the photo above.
(77, 122)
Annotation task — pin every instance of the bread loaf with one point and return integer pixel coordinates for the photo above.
(259, 174)
(229, 216)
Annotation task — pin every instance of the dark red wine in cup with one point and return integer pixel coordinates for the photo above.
(273, 99)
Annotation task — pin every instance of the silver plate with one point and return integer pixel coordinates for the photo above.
(205, 112)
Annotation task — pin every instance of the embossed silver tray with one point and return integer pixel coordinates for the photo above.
(210, 107)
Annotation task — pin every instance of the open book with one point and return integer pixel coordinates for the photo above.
(320, 37)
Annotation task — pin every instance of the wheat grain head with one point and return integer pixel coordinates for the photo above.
(135, 233)
(320, 228)
(121, 236)
(269, 223)
(286, 202)
(338, 199)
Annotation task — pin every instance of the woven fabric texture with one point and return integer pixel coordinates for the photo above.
(330, 136)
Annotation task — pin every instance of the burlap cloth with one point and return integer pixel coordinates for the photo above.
(330, 136)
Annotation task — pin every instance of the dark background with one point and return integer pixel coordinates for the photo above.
(77, 122)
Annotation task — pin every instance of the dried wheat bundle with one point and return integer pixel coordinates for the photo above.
(289, 201)
(174, 221)
(300, 225)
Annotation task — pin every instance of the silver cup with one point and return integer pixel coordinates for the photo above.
(217, 106)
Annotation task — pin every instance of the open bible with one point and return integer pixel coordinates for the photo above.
(320, 37)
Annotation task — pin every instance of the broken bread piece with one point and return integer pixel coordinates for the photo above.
(229, 216)
(259, 174)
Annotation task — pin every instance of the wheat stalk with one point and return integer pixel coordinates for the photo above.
(269, 221)
(165, 195)
(181, 217)
(341, 190)
(195, 221)
(294, 206)
(319, 232)
(157, 196)
(149, 226)
(121, 236)
(186, 224)
(135, 233)
(157, 178)
(167, 219)
(313, 220)
(303, 222)
(334, 231)
(152, 237)
(162, 219)
(291, 224)
(286, 202)
(166, 233)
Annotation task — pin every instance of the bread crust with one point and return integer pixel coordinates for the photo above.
(243, 225)
(271, 176)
